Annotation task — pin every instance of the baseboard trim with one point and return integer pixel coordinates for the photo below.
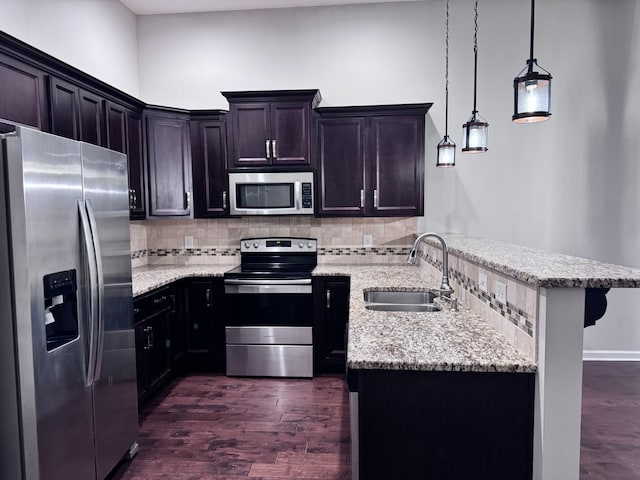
(611, 355)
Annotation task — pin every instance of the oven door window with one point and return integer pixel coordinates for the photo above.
(266, 309)
(269, 195)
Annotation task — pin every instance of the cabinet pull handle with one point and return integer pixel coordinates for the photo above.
(150, 337)
(224, 199)
(187, 200)
(266, 146)
(135, 199)
(361, 198)
(173, 302)
(375, 199)
(207, 295)
(273, 149)
(131, 203)
(328, 299)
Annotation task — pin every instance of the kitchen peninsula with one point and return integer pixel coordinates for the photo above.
(544, 302)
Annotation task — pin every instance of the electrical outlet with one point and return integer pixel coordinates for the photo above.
(188, 241)
(482, 281)
(501, 292)
(367, 240)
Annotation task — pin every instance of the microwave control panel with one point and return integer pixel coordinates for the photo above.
(307, 196)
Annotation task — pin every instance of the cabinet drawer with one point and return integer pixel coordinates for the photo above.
(152, 303)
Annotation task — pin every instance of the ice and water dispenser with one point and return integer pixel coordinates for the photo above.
(60, 308)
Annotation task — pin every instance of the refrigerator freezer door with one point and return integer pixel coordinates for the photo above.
(45, 184)
(106, 194)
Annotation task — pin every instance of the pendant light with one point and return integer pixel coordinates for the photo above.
(475, 132)
(446, 147)
(532, 90)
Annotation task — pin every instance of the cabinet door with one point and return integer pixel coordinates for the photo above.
(251, 134)
(398, 165)
(210, 180)
(142, 359)
(135, 158)
(200, 316)
(23, 97)
(91, 112)
(341, 163)
(169, 156)
(331, 295)
(177, 330)
(65, 105)
(116, 127)
(290, 133)
(159, 346)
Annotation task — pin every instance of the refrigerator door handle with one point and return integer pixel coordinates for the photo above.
(93, 290)
(100, 287)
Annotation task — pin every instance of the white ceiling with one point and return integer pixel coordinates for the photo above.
(152, 7)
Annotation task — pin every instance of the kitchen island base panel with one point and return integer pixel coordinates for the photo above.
(558, 395)
(445, 425)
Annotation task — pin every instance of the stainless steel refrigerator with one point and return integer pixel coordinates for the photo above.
(68, 402)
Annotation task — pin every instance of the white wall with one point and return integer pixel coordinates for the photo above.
(96, 36)
(567, 185)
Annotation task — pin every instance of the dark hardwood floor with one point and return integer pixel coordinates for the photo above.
(610, 447)
(210, 427)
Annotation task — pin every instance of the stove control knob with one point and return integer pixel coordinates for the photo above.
(247, 244)
(309, 244)
(300, 245)
(255, 245)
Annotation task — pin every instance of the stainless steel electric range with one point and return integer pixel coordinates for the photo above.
(269, 308)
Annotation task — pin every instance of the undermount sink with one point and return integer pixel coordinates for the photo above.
(395, 301)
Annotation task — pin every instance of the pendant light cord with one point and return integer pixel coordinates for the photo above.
(475, 56)
(446, 76)
(533, 14)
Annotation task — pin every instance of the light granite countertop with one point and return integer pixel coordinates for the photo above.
(444, 340)
(454, 341)
(538, 267)
(150, 277)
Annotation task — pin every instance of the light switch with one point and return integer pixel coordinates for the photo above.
(482, 281)
(501, 292)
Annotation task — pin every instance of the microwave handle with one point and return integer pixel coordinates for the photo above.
(297, 194)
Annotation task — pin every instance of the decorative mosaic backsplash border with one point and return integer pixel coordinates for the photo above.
(364, 251)
(139, 254)
(230, 252)
(515, 315)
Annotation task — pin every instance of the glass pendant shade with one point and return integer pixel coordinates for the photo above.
(446, 153)
(475, 134)
(532, 95)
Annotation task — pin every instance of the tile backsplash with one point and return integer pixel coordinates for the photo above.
(340, 240)
(515, 317)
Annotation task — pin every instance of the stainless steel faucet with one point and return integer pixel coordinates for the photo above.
(445, 290)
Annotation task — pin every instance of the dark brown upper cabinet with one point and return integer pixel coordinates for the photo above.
(124, 134)
(22, 93)
(271, 128)
(169, 162)
(209, 162)
(76, 113)
(370, 160)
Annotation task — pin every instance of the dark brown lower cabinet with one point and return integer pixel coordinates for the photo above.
(155, 318)
(445, 425)
(331, 315)
(204, 318)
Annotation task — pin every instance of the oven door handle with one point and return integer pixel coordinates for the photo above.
(239, 281)
(270, 289)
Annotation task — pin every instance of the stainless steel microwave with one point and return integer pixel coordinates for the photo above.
(271, 193)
